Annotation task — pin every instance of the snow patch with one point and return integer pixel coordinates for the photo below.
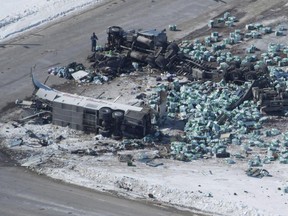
(33, 13)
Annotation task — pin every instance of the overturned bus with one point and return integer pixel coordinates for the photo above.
(93, 115)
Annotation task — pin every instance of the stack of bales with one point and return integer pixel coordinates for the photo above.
(227, 20)
(172, 27)
(203, 104)
(234, 37)
(273, 56)
(256, 30)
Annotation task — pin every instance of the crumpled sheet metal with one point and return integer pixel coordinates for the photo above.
(257, 172)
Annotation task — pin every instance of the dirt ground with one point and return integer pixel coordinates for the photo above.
(211, 186)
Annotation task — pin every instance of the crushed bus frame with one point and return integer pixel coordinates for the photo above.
(93, 115)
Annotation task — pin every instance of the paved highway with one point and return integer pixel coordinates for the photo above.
(25, 193)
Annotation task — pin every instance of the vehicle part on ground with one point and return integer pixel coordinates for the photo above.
(152, 48)
(94, 115)
(271, 100)
(148, 48)
(246, 95)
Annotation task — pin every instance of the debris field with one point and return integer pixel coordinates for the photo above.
(218, 139)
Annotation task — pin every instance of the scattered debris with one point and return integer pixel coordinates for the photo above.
(88, 151)
(125, 157)
(16, 142)
(257, 173)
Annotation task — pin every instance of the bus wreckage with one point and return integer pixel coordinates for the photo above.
(93, 115)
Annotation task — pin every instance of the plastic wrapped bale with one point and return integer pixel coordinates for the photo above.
(255, 162)
(177, 150)
(237, 31)
(251, 49)
(197, 41)
(232, 19)
(228, 40)
(236, 141)
(220, 151)
(208, 41)
(258, 25)
(220, 20)
(173, 107)
(211, 23)
(215, 39)
(266, 30)
(272, 153)
(255, 34)
(272, 132)
(224, 65)
(284, 157)
(229, 23)
(279, 33)
(230, 161)
(211, 59)
(285, 140)
(274, 47)
(173, 96)
(172, 27)
(285, 51)
(226, 15)
(250, 27)
(283, 62)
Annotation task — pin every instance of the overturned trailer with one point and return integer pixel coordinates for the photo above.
(94, 115)
(151, 47)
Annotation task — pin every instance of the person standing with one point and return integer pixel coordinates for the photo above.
(94, 39)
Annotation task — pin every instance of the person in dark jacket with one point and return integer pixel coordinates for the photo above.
(94, 39)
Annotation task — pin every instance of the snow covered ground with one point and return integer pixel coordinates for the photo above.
(209, 185)
(18, 16)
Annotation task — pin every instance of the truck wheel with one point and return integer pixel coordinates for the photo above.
(151, 61)
(161, 62)
(116, 137)
(173, 46)
(105, 133)
(118, 115)
(105, 113)
(250, 76)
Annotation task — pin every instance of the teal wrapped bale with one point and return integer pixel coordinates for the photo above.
(211, 24)
(255, 162)
(279, 33)
(172, 27)
(250, 27)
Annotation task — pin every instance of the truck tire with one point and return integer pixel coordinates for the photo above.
(115, 30)
(250, 76)
(151, 61)
(118, 115)
(105, 113)
(116, 137)
(161, 62)
(172, 49)
(105, 133)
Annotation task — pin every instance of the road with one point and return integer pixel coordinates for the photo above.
(68, 39)
(60, 43)
(25, 193)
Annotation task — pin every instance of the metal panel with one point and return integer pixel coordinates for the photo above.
(45, 94)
